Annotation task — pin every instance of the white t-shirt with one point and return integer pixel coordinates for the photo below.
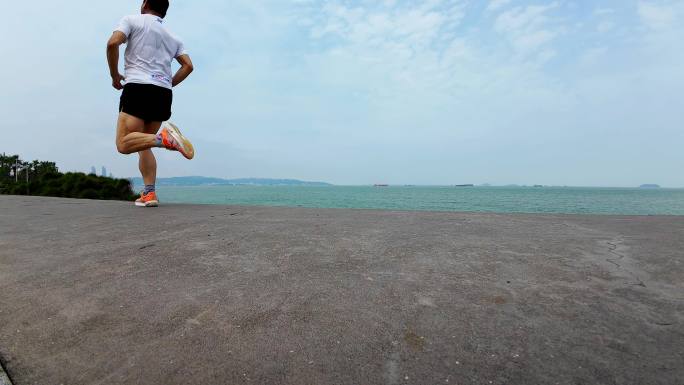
(150, 50)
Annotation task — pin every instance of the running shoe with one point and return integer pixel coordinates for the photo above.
(147, 200)
(173, 140)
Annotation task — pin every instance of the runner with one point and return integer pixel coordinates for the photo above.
(146, 98)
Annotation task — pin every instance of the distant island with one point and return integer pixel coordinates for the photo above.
(206, 181)
(649, 186)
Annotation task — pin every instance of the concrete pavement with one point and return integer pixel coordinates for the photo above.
(105, 293)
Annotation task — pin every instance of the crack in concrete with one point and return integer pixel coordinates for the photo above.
(612, 249)
(147, 246)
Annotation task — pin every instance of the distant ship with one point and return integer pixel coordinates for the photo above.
(381, 185)
(465, 185)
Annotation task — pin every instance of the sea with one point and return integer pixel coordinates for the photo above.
(558, 200)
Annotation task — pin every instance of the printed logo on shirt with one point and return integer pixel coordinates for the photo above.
(161, 78)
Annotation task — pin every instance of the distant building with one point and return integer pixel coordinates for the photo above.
(92, 170)
(104, 171)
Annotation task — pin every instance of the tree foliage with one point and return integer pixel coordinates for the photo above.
(39, 178)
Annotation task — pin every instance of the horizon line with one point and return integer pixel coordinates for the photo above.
(464, 185)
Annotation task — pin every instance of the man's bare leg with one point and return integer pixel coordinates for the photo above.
(148, 163)
(148, 167)
(131, 136)
(135, 135)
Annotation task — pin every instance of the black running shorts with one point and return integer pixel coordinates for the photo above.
(146, 101)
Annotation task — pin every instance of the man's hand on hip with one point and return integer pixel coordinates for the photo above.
(113, 44)
(117, 80)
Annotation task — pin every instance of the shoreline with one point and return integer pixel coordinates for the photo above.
(380, 210)
(581, 201)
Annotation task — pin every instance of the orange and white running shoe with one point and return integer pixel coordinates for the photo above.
(147, 200)
(173, 140)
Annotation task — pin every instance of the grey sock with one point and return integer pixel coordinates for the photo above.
(149, 188)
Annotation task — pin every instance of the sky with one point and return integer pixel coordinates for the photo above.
(435, 92)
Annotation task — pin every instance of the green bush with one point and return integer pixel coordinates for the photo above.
(46, 180)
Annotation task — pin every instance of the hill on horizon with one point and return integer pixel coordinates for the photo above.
(207, 181)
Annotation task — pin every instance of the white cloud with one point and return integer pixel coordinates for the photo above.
(604, 11)
(527, 28)
(592, 56)
(529, 42)
(363, 24)
(605, 26)
(395, 44)
(523, 18)
(603, 20)
(495, 5)
(657, 16)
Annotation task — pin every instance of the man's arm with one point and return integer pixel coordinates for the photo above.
(113, 44)
(184, 71)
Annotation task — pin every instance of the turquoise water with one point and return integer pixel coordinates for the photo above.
(477, 199)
